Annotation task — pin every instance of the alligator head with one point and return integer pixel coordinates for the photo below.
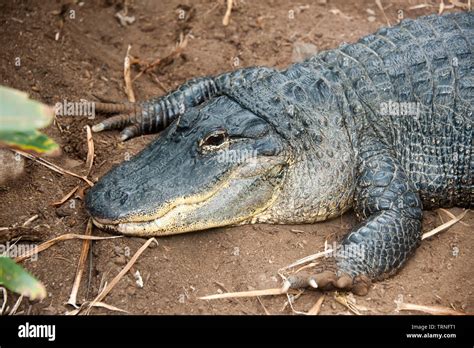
(218, 165)
(222, 164)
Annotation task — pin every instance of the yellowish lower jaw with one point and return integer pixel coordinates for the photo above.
(162, 226)
(180, 219)
(197, 213)
(157, 228)
(146, 228)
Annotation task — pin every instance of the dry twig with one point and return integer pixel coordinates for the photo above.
(53, 167)
(17, 304)
(452, 216)
(66, 197)
(5, 298)
(90, 150)
(119, 276)
(263, 306)
(126, 76)
(161, 62)
(251, 293)
(51, 242)
(226, 19)
(80, 266)
(462, 5)
(444, 226)
(379, 5)
(308, 259)
(97, 304)
(317, 306)
(348, 301)
(435, 310)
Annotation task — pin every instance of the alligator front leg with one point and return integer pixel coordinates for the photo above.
(156, 114)
(391, 211)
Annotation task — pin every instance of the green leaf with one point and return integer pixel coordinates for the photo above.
(19, 113)
(17, 279)
(31, 141)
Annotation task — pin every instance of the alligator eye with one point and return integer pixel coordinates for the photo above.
(214, 141)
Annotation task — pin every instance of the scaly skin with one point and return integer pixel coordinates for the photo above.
(324, 143)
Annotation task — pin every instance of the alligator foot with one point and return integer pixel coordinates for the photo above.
(328, 278)
(154, 115)
(390, 210)
(129, 123)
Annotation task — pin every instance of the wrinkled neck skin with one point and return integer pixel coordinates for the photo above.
(320, 178)
(318, 184)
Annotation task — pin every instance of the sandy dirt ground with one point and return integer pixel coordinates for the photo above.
(86, 61)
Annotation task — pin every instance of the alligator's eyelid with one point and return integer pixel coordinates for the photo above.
(237, 139)
(216, 134)
(224, 142)
(212, 148)
(220, 131)
(228, 140)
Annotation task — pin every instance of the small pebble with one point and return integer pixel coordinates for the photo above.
(120, 260)
(71, 222)
(64, 210)
(118, 250)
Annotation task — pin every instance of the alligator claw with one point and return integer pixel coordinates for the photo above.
(130, 132)
(114, 122)
(328, 280)
(128, 121)
(327, 277)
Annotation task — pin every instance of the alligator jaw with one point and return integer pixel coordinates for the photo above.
(160, 226)
(210, 212)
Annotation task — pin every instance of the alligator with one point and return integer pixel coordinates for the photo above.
(382, 126)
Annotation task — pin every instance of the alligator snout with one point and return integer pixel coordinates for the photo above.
(106, 201)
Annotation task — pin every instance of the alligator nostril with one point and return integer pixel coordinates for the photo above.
(117, 195)
(124, 198)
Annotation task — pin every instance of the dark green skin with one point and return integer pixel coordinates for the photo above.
(319, 119)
